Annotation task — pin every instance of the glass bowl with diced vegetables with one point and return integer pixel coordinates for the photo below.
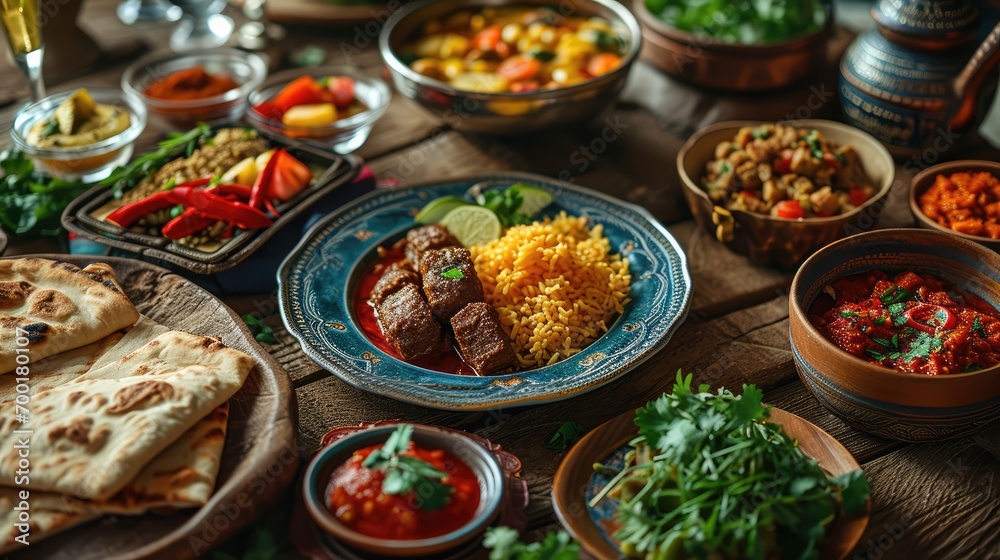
(777, 192)
(509, 68)
(333, 107)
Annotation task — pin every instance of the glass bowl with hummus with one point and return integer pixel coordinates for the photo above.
(80, 134)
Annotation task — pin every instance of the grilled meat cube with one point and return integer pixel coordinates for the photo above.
(482, 341)
(391, 281)
(409, 325)
(423, 239)
(450, 281)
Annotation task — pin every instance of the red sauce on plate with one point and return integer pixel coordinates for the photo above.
(355, 497)
(189, 84)
(448, 362)
(908, 322)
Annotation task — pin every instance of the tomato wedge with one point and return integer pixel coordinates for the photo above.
(858, 196)
(342, 89)
(784, 164)
(488, 38)
(519, 68)
(304, 90)
(789, 209)
(290, 177)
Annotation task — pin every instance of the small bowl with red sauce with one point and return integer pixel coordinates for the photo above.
(207, 86)
(897, 331)
(351, 490)
(960, 198)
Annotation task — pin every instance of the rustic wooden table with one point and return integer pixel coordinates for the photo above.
(929, 501)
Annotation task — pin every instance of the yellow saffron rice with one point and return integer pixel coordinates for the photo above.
(555, 284)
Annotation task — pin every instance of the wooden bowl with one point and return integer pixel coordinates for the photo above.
(923, 181)
(778, 241)
(876, 399)
(715, 64)
(574, 482)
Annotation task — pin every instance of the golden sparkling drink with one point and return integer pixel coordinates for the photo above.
(20, 21)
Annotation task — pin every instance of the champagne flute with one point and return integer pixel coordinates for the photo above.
(20, 22)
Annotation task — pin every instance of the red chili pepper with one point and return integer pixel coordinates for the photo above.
(135, 211)
(260, 187)
(241, 192)
(190, 222)
(243, 215)
(930, 318)
(270, 208)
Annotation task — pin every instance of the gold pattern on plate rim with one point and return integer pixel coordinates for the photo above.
(363, 234)
(506, 382)
(337, 326)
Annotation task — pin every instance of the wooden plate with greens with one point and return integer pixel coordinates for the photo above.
(678, 512)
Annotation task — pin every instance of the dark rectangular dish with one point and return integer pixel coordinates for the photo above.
(338, 171)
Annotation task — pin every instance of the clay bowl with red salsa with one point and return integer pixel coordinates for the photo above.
(209, 86)
(786, 239)
(960, 198)
(351, 504)
(897, 331)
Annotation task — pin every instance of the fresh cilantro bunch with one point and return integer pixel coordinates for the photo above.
(505, 204)
(405, 474)
(711, 478)
(505, 544)
(31, 202)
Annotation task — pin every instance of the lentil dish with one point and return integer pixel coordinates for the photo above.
(966, 202)
(786, 172)
(514, 50)
(909, 322)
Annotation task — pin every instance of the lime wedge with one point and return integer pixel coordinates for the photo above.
(473, 225)
(534, 199)
(438, 208)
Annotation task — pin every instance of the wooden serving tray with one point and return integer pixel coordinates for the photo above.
(339, 170)
(261, 455)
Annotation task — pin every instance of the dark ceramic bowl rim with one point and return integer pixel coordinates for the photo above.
(950, 167)
(367, 117)
(241, 93)
(647, 17)
(829, 346)
(326, 521)
(699, 136)
(625, 17)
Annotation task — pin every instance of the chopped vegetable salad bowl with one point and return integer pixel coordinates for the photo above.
(500, 110)
(773, 240)
(872, 397)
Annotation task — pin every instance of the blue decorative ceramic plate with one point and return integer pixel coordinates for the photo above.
(317, 282)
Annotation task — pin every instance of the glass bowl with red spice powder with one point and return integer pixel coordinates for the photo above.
(209, 86)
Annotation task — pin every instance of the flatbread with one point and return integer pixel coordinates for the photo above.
(93, 436)
(50, 514)
(59, 369)
(59, 305)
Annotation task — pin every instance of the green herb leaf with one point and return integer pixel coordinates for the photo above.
(854, 491)
(977, 327)
(922, 346)
(32, 202)
(453, 272)
(812, 139)
(848, 314)
(565, 436)
(504, 544)
(542, 55)
(760, 133)
(404, 474)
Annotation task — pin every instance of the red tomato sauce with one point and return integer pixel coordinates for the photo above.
(367, 318)
(355, 497)
(908, 322)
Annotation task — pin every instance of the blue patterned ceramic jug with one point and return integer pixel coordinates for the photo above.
(924, 75)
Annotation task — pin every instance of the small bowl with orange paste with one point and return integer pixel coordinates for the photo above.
(209, 86)
(960, 198)
(353, 490)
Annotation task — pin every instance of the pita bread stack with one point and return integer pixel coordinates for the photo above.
(124, 423)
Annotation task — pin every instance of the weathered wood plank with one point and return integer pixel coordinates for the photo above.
(936, 500)
(444, 155)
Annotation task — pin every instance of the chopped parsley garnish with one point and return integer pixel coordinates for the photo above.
(760, 133)
(978, 328)
(453, 272)
(848, 314)
(879, 320)
(814, 145)
(505, 544)
(922, 346)
(405, 474)
(565, 436)
(542, 55)
(725, 167)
